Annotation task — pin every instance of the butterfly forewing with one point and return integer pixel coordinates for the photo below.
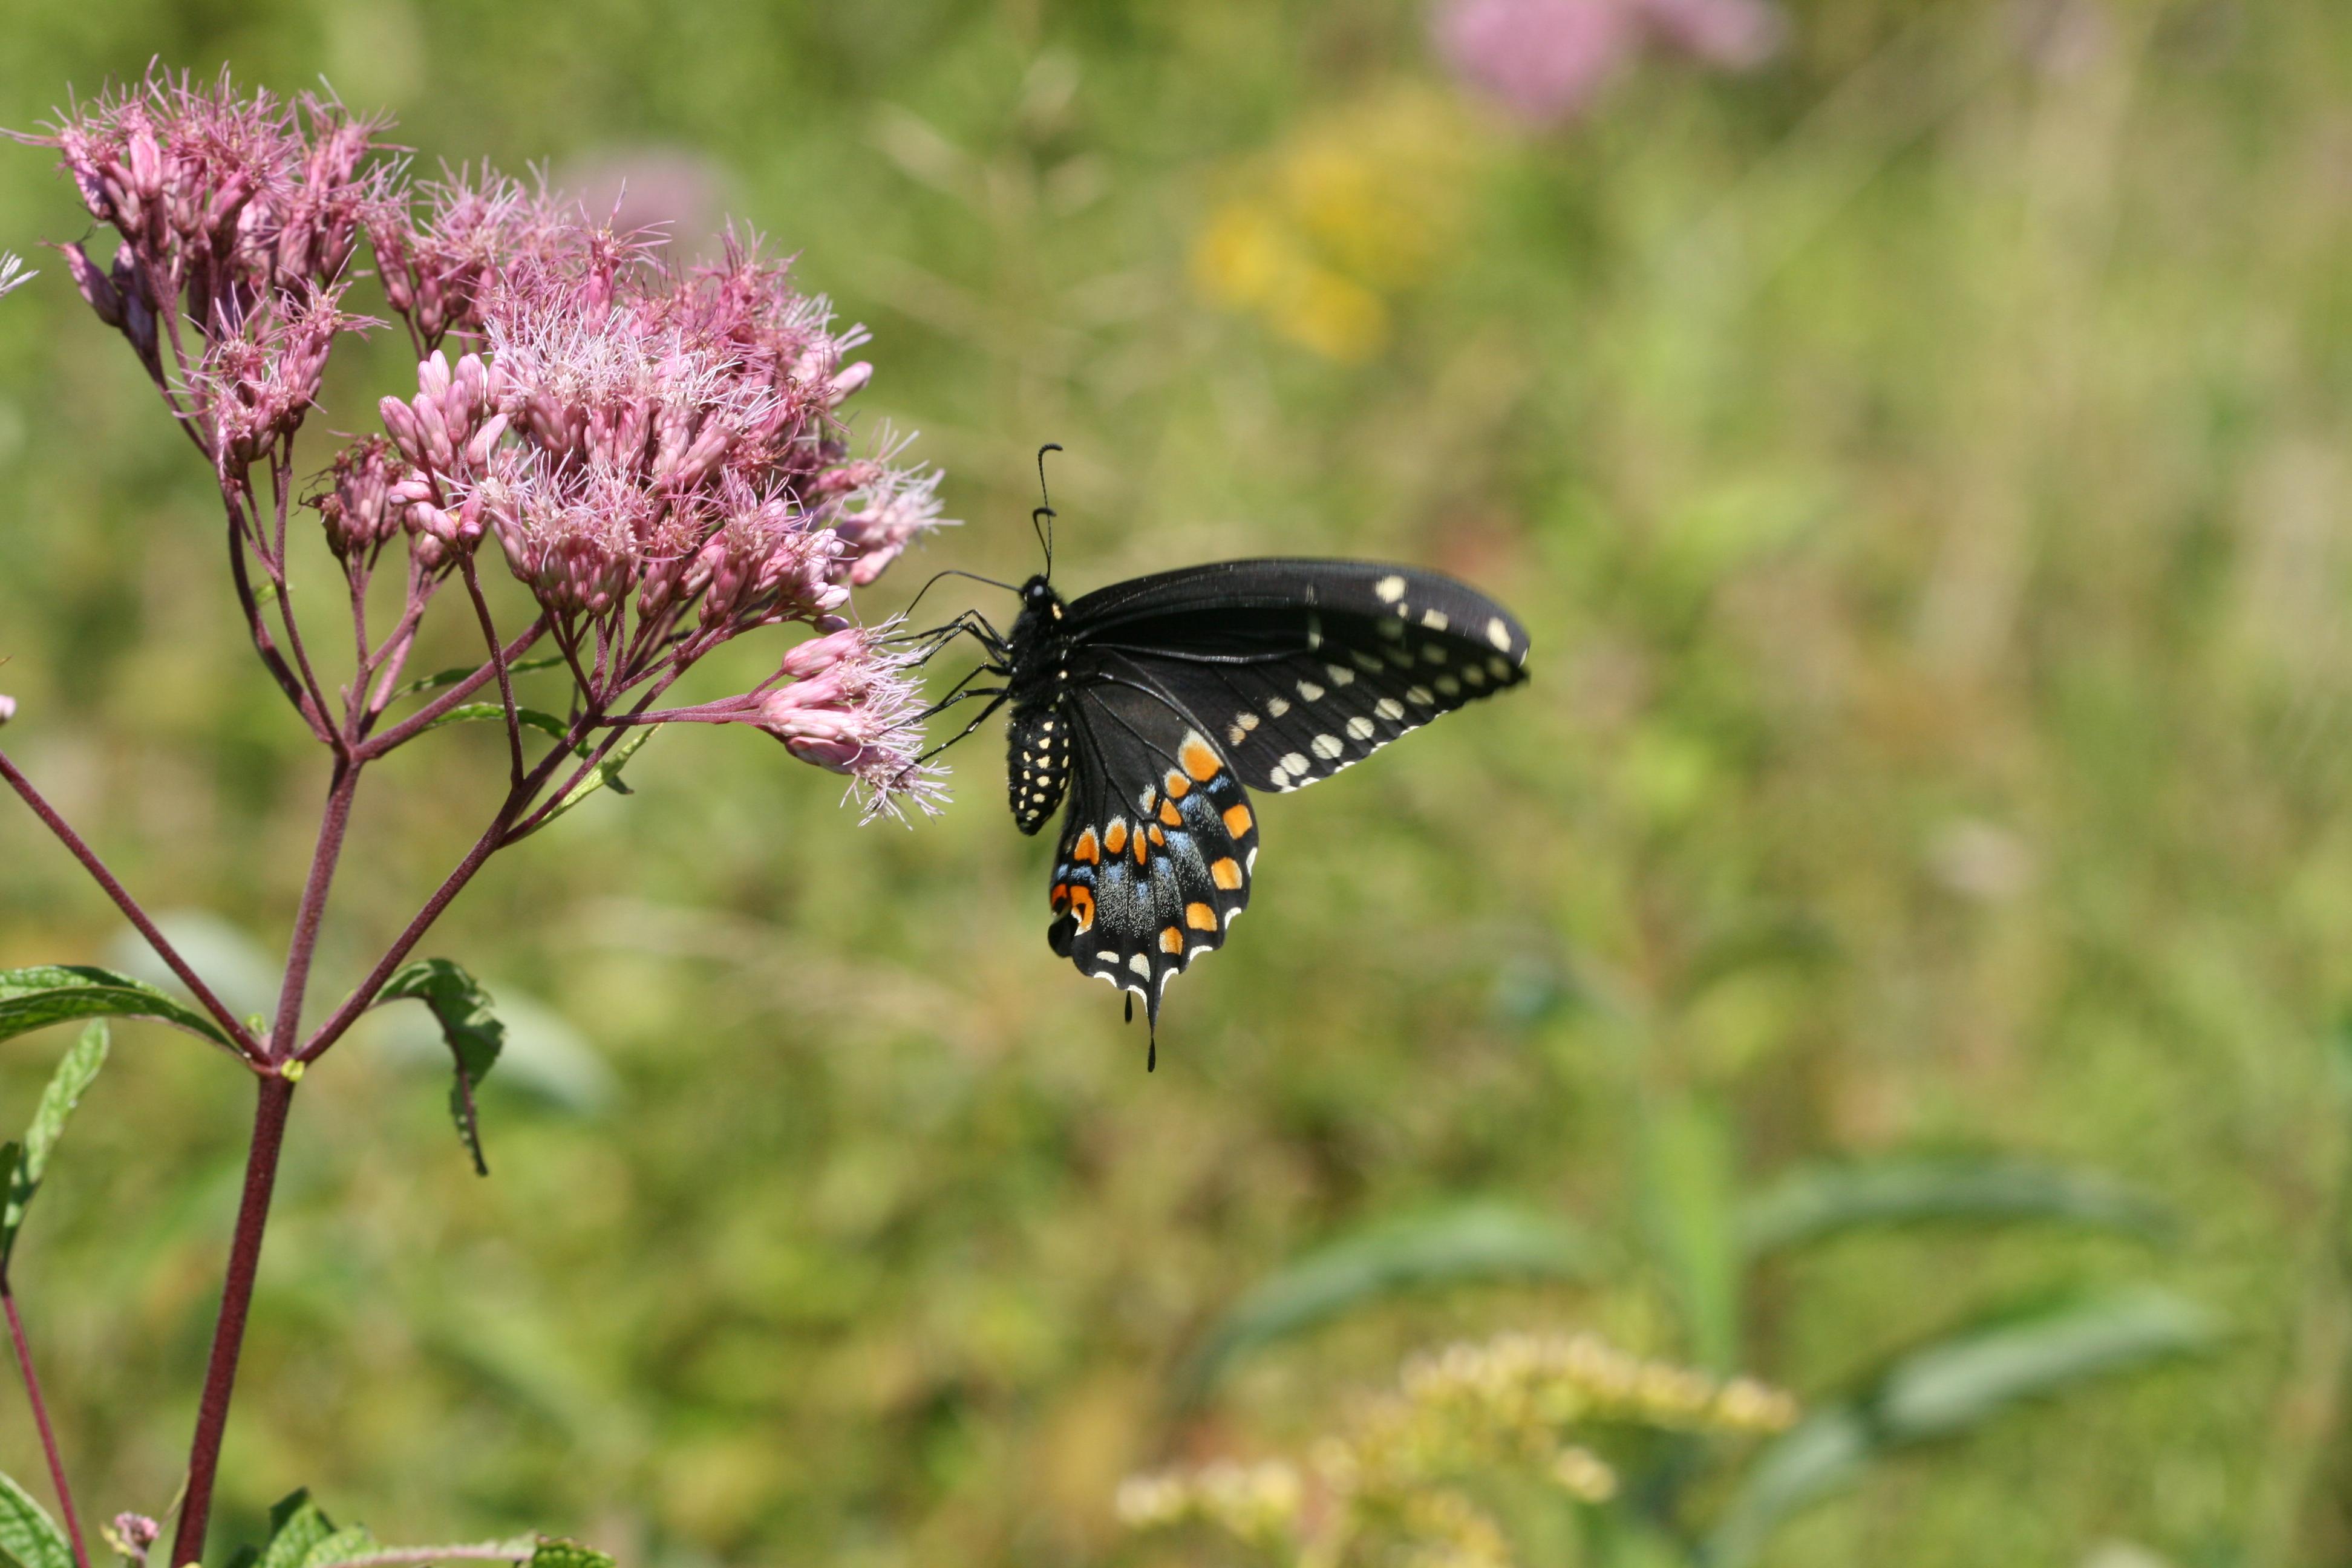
(1300, 669)
(1160, 702)
(1156, 852)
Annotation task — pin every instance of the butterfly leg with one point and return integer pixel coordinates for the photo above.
(999, 696)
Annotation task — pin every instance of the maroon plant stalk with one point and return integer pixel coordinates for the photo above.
(41, 1420)
(417, 723)
(276, 1093)
(246, 1045)
(333, 825)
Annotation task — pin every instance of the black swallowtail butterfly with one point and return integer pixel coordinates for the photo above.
(1156, 705)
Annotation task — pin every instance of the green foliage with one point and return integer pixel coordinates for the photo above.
(23, 1164)
(29, 1537)
(472, 1031)
(555, 1553)
(56, 994)
(1949, 1386)
(607, 774)
(1809, 1206)
(1920, 464)
(1470, 1243)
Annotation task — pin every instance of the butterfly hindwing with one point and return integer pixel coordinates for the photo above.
(1156, 851)
(1300, 669)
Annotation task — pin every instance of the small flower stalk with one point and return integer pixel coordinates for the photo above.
(12, 275)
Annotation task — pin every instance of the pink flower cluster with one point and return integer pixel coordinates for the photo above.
(1546, 59)
(658, 455)
(237, 217)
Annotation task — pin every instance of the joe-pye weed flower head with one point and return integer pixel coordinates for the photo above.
(658, 455)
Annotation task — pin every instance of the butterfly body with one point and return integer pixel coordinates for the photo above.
(1152, 708)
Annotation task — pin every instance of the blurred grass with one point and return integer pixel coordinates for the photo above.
(1920, 464)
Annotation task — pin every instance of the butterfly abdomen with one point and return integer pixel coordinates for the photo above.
(1036, 764)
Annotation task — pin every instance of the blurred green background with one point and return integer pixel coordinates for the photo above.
(1920, 464)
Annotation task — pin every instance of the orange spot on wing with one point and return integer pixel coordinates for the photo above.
(1158, 837)
(1082, 904)
(1226, 873)
(1238, 820)
(1200, 917)
(1141, 847)
(1170, 815)
(1199, 760)
(1171, 940)
(1086, 849)
(1115, 837)
(1060, 895)
(1178, 786)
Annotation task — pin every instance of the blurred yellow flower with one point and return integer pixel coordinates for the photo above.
(1352, 209)
(1384, 1486)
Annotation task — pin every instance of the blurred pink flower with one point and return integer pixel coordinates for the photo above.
(7, 707)
(1545, 60)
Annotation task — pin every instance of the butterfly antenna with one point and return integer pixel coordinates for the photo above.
(952, 572)
(1041, 518)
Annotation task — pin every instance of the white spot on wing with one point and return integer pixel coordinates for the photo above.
(1141, 964)
(1278, 706)
(1389, 708)
(1340, 674)
(1419, 697)
(1389, 588)
(1296, 764)
(1310, 692)
(1433, 619)
(1361, 727)
(1327, 746)
(1500, 669)
(1498, 634)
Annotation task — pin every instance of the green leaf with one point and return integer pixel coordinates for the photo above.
(555, 1553)
(1476, 1241)
(1952, 1385)
(1821, 1454)
(1814, 1204)
(495, 712)
(1960, 1383)
(29, 1537)
(472, 1032)
(296, 1527)
(341, 1546)
(55, 994)
(441, 680)
(30, 1160)
(1688, 1167)
(607, 773)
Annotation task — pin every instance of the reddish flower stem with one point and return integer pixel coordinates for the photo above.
(417, 723)
(41, 1420)
(236, 1298)
(499, 661)
(333, 825)
(258, 629)
(236, 1031)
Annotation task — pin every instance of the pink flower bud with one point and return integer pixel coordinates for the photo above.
(136, 1531)
(818, 655)
(847, 382)
(94, 285)
(478, 450)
